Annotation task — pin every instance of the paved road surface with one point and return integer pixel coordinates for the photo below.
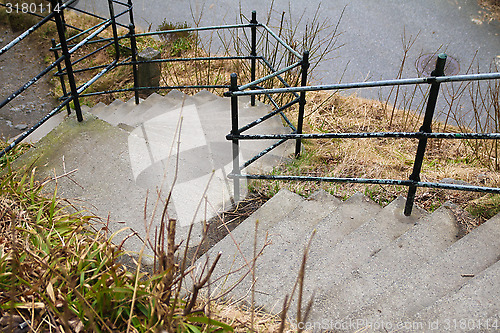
(371, 30)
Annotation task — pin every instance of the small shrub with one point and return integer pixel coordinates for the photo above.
(177, 42)
(485, 207)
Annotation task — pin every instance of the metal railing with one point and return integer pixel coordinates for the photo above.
(425, 132)
(56, 15)
(67, 47)
(253, 89)
(63, 52)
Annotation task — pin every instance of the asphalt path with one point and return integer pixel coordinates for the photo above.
(371, 31)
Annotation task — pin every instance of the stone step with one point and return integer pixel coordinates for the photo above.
(101, 180)
(360, 245)
(275, 275)
(97, 109)
(330, 229)
(472, 308)
(203, 97)
(237, 248)
(131, 118)
(446, 273)
(170, 102)
(115, 117)
(430, 236)
(152, 161)
(215, 115)
(104, 112)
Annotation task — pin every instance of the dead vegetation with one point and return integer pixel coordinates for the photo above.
(492, 8)
(445, 161)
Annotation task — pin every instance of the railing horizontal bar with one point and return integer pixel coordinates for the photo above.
(155, 88)
(88, 13)
(262, 153)
(90, 54)
(411, 135)
(119, 15)
(370, 84)
(89, 37)
(270, 76)
(215, 27)
(25, 34)
(468, 77)
(94, 41)
(268, 64)
(283, 116)
(282, 42)
(31, 82)
(99, 17)
(96, 77)
(267, 116)
(186, 59)
(81, 70)
(23, 135)
(83, 33)
(370, 181)
(121, 3)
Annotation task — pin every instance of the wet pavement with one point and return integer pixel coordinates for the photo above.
(371, 31)
(18, 66)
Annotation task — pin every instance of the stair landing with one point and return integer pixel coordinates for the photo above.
(123, 161)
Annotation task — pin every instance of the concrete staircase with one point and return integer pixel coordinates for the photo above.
(123, 160)
(369, 269)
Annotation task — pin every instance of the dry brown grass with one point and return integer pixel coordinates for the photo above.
(492, 9)
(378, 158)
(240, 318)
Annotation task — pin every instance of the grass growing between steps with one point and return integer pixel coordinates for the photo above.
(445, 160)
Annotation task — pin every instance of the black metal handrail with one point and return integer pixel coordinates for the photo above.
(36, 26)
(252, 89)
(253, 57)
(74, 92)
(437, 77)
(57, 16)
(369, 84)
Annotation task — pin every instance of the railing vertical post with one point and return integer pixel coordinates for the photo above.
(113, 27)
(426, 128)
(133, 47)
(131, 12)
(60, 3)
(253, 52)
(61, 77)
(302, 101)
(235, 142)
(67, 61)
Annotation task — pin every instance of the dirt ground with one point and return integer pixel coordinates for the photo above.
(18, 66)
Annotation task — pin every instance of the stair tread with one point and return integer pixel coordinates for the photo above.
(103, 183)
(418, 289)
(288, 239)
(329, 230)
(272, 212)
(131, 117)
(428, 238)
(203, 97)
(363, 242)
(155, 107)
(115, 117)
(98, 108)
(474, 307)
